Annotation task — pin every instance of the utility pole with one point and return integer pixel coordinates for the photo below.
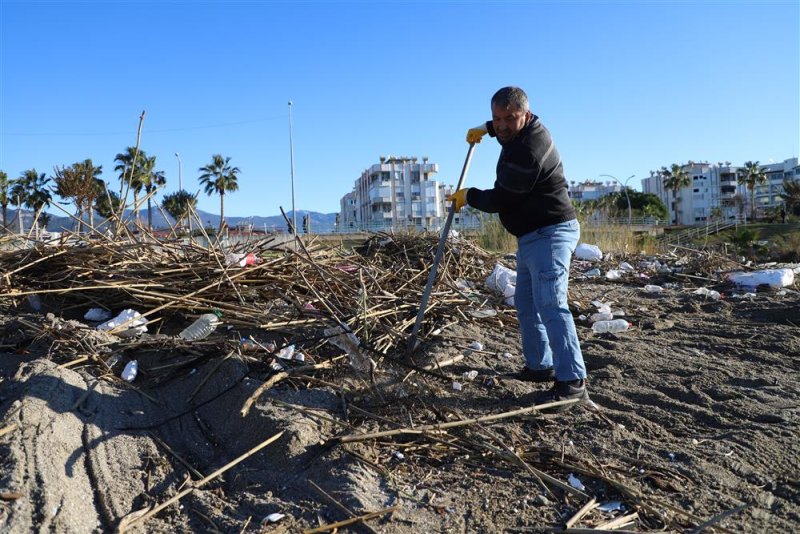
(291, 162)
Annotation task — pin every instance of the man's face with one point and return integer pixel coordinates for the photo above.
(507, 122)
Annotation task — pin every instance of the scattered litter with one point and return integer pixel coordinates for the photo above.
(774, 278)
(273, 518)
(134, 322)
(611, 506)
(617, 325)
(286, 353)
(456, 386)
(625, 266)
(613, 274)
(349, 343)
(203, 327)
(592, 273)
(476, 345)
(653, 289)
(601, 316)
(671, 456)
(241, 259)
(469, 375)
(575, 482)
(130, 371)
(708, 293)
(588, 252)
(483, 313)
(399, 455)
(506, 355)
(504, 281)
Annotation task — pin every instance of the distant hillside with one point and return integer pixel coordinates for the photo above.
(320, 222)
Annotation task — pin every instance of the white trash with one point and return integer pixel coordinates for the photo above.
(130, 371)
(504, 281)
(653, 289)
(588, 252)
(575, 482)
(133, 321)
(709, 293)
(613, 274)
(771, 277)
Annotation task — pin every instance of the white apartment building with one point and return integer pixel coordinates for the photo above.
(768, 195)
(398, 192)
(714, 191)
(591, 190)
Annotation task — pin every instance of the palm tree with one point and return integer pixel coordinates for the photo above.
(675, 179)
(31, 190)
(5, 184)
(751, 176)
(219, 177)
(791, 196)
(179, 204)
(152, 180)
(107, 202)
(130, 173)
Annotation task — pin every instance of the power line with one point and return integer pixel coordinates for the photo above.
(163, 130)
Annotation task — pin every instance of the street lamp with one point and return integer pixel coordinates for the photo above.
(291, 161)
(180, 179)
(624, 190)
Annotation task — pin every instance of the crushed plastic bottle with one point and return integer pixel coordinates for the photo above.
(653, 289)
(286, 353)
(617, 325)
(130, 371)
(132, 320)
(709, 293)
(201, 328)
(601, 316)
(613, 274)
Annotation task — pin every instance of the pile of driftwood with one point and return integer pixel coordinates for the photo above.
(373, 292)
(299, 293)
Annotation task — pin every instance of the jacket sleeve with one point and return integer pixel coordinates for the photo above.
(492, 200)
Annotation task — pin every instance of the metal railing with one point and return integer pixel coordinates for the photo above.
(699, 231)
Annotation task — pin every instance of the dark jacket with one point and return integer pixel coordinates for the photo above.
(530, 191)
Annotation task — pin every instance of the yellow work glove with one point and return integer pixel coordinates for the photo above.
(459, 199)
(474, 134)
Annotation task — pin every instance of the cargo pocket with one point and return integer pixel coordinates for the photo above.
(552, 288)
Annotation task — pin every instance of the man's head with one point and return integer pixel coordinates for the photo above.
(510, 112)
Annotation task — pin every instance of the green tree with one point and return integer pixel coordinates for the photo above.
(179, 204)
(78, 183)
(107, 203)
(220, 178)
(751, 176)
(791, 196)
(31, 190)
(675, 178)
(152, 180)
(131, 174)
(5, 185)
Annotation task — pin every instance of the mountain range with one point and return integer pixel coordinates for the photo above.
(320, 222)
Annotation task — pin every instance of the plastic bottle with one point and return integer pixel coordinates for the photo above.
(201, 328)
(653, 289)
(617, 325)
(601, 316)
(130, 371)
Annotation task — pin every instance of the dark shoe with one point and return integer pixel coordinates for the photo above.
(535, 375)
(561, 391)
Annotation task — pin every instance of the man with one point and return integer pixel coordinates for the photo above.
(530, 195)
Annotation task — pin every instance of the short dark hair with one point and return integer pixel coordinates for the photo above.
(511, 97)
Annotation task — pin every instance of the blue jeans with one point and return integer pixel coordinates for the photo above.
(549, 338)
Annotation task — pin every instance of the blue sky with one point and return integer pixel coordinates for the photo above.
(625, 87)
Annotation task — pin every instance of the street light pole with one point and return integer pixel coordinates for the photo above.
(291, 162)
(624, 190)
(180, 178)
